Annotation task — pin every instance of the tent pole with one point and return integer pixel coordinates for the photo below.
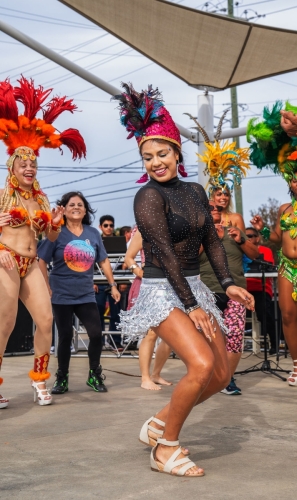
(205, 119)
(234, 111)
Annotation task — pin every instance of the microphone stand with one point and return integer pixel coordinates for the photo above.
(265, 366)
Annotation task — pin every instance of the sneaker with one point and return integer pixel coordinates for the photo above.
(233, 385)
(61, 384)
(231, 391)
(52, 351)
(96, 380)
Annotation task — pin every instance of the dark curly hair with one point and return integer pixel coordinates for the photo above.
(89, 216)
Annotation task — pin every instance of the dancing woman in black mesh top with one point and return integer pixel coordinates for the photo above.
(174, 219)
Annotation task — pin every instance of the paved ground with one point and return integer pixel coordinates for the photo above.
(85, 445)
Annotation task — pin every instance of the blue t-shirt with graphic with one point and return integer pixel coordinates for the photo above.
(73, 258)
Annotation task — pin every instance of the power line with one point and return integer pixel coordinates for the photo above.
(282, 10)
(91, 176)
(65, 51)
(47, 17)
(117, 78)
(50, 22)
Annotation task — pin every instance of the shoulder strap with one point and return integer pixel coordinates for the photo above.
(289, 205)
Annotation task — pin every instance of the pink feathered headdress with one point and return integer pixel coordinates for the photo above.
(145, 117)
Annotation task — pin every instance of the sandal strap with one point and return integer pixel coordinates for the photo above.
(155, 430)
(172, 462)
(160, 422)
(183, 470)
(167, 443)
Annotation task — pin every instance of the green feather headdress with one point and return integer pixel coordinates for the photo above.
(270, 145)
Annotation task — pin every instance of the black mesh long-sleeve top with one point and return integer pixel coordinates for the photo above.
(174, 219)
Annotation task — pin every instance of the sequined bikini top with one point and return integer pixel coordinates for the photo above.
(288, 221)
(39, 222)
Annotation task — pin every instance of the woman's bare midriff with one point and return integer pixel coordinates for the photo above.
(289, 246)
(21, 240)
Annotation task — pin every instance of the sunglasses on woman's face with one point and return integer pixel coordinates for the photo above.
(216, 207)
(108, 225)
(251, 235)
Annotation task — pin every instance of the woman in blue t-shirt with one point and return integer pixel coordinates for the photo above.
(70, 285)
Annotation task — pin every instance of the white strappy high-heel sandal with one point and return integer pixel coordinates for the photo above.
(293, 374)
(144, 437)
(173, 461)
(3, 402)
(41, 394)
(148, 440)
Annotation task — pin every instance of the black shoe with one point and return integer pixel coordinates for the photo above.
(96, 380)
(61, 384)
(272, 351)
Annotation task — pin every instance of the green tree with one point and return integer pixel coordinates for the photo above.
(268, 211)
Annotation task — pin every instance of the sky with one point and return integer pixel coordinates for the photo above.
(68, 33)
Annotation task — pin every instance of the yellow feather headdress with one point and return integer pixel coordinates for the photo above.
(223, 159)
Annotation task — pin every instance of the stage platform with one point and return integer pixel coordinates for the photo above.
(85, 446)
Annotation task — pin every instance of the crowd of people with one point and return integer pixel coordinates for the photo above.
(187, 252)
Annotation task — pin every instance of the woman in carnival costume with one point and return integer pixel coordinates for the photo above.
(173, 218)
(226, 165)
(274, 149)
(25, 214)
(223, 160)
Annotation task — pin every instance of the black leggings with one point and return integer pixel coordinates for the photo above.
(89, 316)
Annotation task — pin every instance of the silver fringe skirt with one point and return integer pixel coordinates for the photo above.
(155, 302)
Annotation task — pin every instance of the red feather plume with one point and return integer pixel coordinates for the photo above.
(8, 106)
(56, 106)
(75, 142)
(31, 97)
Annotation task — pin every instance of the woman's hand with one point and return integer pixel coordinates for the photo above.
(242, 296)
(115, 294)
(6, 260)
(289, 123)
(95, 287)
(257, 222)
(138, 272)
(5, 219)
(235, 234)
(57, 215)
(202, 322)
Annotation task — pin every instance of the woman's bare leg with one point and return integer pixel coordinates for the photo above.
(146, 350)
(233, 360)
(288, 309)
(206, 365)
(9, 293)
(162, 354)
(34, 295)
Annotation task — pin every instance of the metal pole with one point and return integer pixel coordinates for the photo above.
(74, 68)
(205, 118)
(234, 110)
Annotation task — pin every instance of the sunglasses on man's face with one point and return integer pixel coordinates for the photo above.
(252, 235)
(108, 225)
(216, 207)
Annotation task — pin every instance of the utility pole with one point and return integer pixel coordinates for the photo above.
(234, 111)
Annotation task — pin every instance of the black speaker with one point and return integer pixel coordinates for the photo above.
(21, 339)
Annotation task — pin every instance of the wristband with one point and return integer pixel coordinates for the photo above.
(57, 227)
(134, 266)
(113, 284)
(193, 308)
(265, 232)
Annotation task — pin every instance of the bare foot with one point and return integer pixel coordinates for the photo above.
(150, 386)
(159, 380)
(162, 455)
